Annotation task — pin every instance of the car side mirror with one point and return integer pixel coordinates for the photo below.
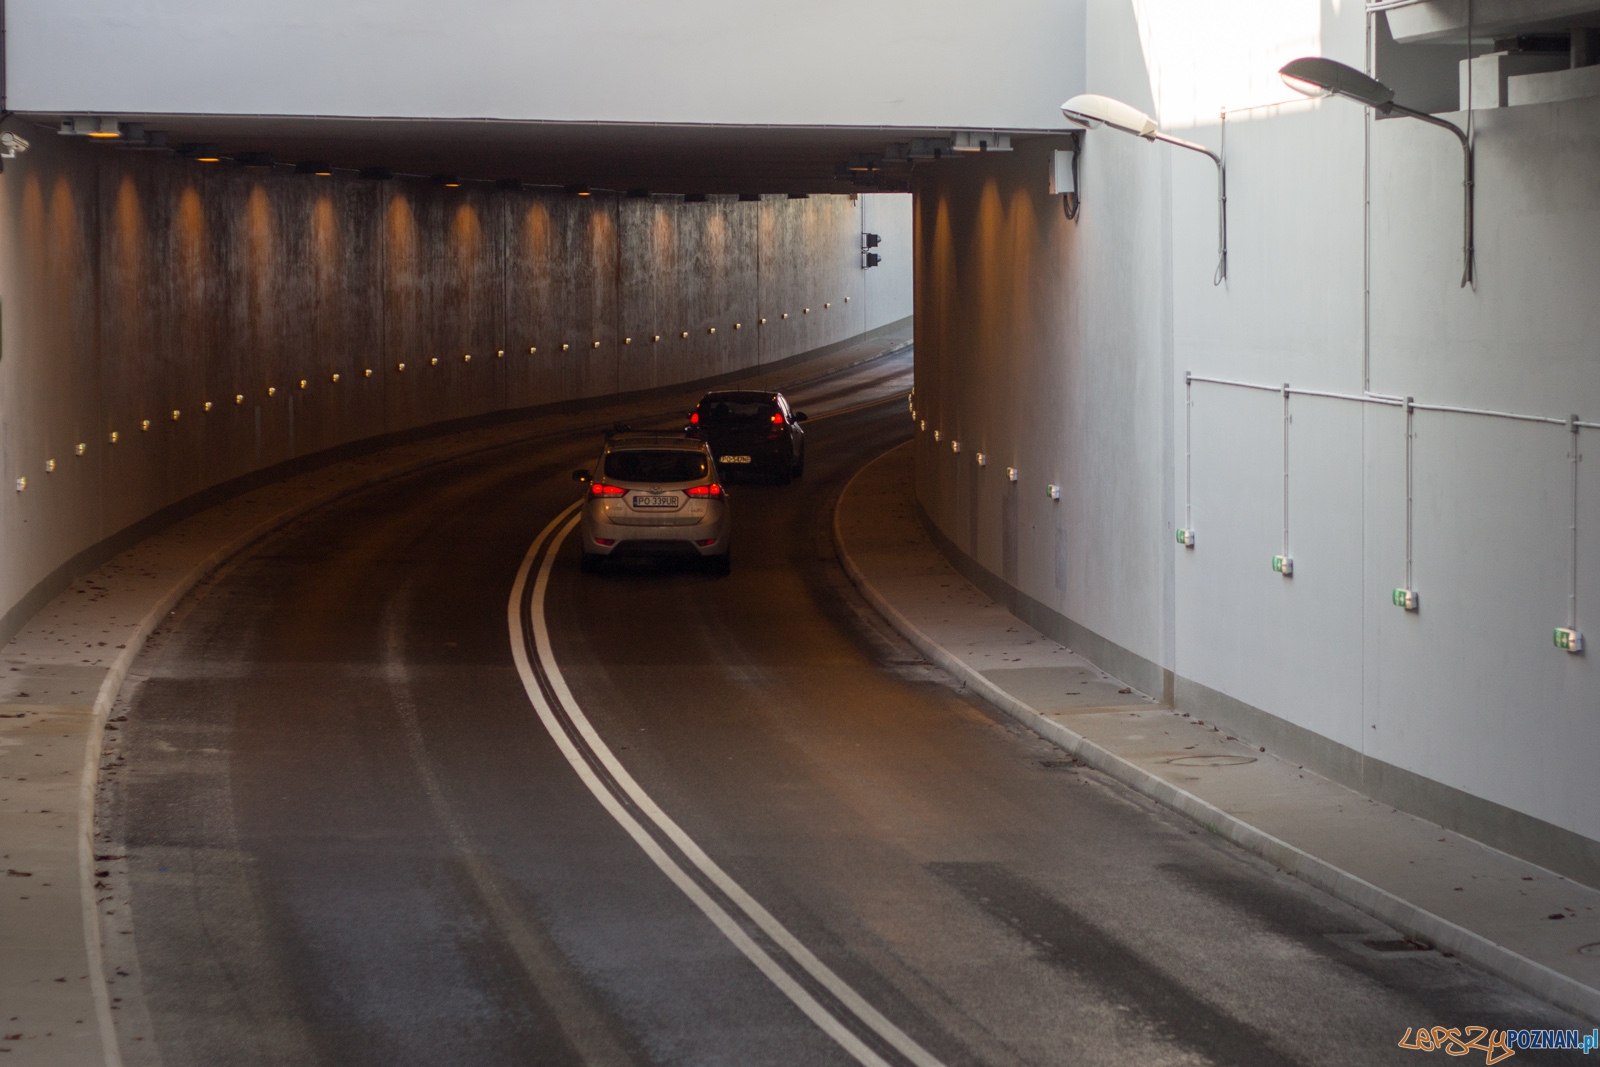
(800, 416)
(580, 475)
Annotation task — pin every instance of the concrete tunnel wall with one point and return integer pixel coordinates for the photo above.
(1060, 348)
(135, 290)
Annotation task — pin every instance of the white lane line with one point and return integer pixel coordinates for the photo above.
(583, 1023)
(692, 889)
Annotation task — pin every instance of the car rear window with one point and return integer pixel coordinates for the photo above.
(729, 411)
(655, 465)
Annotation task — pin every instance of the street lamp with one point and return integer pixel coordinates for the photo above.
(1315, 76)
(1091, 111)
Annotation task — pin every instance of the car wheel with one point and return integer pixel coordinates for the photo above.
(591, 562)
(720, 565)
(785, 472)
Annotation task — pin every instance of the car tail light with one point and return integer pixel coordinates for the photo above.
(777, 418)
(713, 490)
(605, 542)
(694, 418)
(599, 489)
(707, 543)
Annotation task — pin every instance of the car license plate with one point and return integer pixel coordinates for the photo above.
(643, 501)
(733, 459)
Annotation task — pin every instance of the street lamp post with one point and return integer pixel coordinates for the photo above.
(1316, 76)
(1091, 110)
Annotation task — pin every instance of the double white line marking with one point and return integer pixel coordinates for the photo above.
(616, 790)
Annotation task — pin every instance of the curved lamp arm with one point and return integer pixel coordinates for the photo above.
(1318, 76)
(1091, 110)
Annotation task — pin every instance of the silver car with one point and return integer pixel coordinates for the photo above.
(654, 495)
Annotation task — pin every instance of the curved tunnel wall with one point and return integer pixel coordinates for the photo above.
(1060, 348)
(137, 290)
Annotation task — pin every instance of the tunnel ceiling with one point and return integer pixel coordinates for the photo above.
(661, 158)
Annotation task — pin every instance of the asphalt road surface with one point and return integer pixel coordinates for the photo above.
(402, 786)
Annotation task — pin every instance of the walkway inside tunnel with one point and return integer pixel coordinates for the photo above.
(352, 839)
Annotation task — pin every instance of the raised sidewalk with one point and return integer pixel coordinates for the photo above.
(1462, 896)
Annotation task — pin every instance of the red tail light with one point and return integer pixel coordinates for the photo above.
(713, 490)
(694, 418)
(599, 489)
(777, 418)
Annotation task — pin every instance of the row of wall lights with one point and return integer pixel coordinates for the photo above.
(1568, 638)
(305, 383)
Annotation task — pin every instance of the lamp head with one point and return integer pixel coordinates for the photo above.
(1315, 76)
(1091, 110)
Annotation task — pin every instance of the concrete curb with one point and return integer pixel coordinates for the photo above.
(1404, 916)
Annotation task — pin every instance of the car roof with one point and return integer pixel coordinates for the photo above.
(635, 440)
(740, 394)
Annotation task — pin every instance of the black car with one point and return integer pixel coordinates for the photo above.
(750, 431)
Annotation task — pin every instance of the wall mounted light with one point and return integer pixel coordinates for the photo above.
(399, 366)
(12, 145)
(983, 460)
(499, 353)
(1011, 474)
(655, 337)
(83, 448)
(627, 340)
(533, 350)
(808, 311)
(784, 315)
(334, 377)
(367, 373)
(685, 333)
(565, 346)
(434, 362)
(145, 424)
(303, 383)
(272, 390)
(314, 166)
(577, 190)
(713, 329)
(113, 437)
(50, 466)
(466, 357)
(206, 406)
(936, 436)
(738, 326)
(1053, 492)
(1315, 76)
(1091, 111)
(595, 344)
(175, 414)
(449, 181)
(22, 483)
(761, 322)
(955, 446)
(238, 398)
